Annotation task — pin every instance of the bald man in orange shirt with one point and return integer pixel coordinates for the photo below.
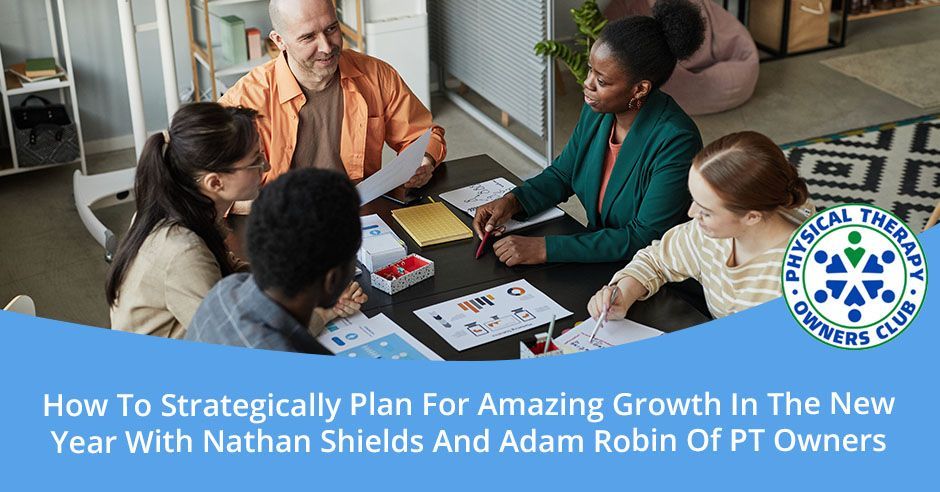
(325, 107)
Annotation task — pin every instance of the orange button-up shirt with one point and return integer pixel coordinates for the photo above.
(378, 108)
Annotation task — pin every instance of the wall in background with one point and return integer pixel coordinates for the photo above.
(99, 64)
(98, 60)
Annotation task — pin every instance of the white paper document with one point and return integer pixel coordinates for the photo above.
(372, 338)
(491, 314)
(395, 173)
(612, 333)
(469, 198)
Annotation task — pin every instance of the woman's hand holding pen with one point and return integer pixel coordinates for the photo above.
(617, 305)
(492, 216)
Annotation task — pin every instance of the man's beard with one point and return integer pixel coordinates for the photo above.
(311, 66)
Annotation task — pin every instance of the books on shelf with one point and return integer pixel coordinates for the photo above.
(15, 83)
(21, 71)
(40, 67)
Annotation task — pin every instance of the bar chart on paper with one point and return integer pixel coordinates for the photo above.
(492, 314)
(477, 304)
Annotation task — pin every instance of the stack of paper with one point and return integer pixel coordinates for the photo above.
(469, 198)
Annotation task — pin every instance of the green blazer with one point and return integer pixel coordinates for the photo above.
(647, 193)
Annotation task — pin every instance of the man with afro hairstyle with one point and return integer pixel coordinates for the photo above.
(303, 234)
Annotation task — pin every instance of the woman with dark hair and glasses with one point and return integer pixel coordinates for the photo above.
(629, 156)
(187, 179)
(174, 252)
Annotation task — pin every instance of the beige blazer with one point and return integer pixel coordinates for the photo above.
(165, 283)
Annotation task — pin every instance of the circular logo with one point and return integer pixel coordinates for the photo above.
(854, 276)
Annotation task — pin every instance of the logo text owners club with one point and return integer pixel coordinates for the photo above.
(854, 276)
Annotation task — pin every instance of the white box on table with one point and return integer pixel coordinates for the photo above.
(402, 274)
(378, 251)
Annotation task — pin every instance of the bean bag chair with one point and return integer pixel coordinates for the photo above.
(722, 74)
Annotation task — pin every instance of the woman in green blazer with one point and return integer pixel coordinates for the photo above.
(629, 156)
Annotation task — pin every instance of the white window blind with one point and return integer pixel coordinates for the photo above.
(489, 46)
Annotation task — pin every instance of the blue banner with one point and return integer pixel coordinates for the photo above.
(749, 402)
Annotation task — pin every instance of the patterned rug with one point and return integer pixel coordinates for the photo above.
(895, 166)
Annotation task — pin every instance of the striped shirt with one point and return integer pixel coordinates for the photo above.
(685, 252)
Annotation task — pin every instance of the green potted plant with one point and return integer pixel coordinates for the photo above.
(590, 21)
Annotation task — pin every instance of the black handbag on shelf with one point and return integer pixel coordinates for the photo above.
(43, 134)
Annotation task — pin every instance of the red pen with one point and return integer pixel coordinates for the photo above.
(486, 236)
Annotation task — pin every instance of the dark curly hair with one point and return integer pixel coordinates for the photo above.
(649, 47)
(302, 225)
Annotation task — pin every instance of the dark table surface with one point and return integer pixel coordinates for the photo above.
(457, 273)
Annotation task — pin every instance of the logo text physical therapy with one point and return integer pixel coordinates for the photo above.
(854, 276)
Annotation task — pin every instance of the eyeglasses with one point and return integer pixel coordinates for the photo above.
(263, 165)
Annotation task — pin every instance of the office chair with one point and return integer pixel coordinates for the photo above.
(22, 304)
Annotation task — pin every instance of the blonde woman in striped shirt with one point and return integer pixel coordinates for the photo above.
(747, 202)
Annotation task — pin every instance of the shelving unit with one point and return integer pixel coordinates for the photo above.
(203, 57)
(838, 24)
(899, 10)
(840, 17)
(352, 35)
(10, 86)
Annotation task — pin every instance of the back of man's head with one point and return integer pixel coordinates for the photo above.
(303, 225)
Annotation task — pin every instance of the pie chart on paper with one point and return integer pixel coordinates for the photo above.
(516, 291)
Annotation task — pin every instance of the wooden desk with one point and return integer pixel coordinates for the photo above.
(457, 273)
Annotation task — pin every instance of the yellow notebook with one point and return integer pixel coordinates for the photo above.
(431, 223)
